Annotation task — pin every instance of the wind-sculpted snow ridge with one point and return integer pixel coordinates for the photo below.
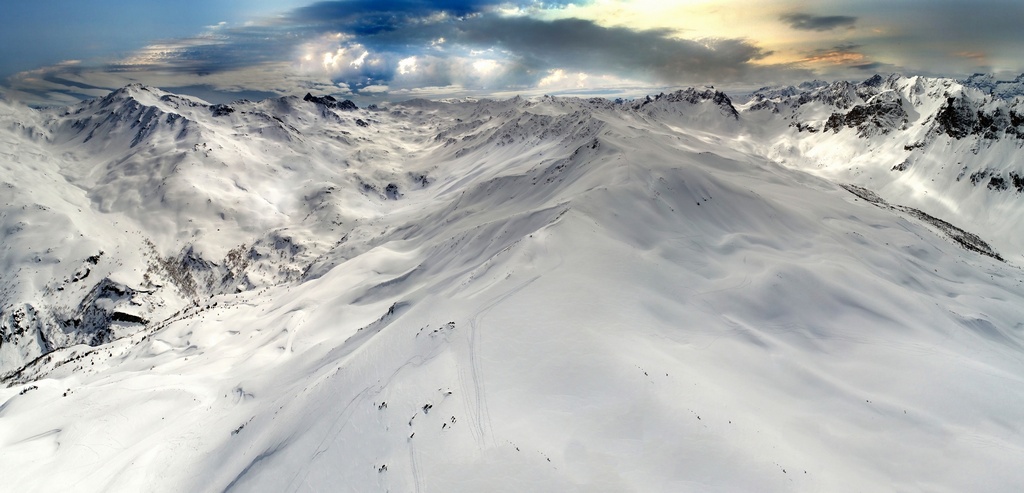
(554, 294)
(965, 239)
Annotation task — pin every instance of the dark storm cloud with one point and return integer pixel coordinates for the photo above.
(345, 11)
(807, 22)
(367, 17)
(364, 17)
(584, 45)
(871, 66)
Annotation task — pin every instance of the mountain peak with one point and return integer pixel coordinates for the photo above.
(874, 81)
(694, 96)
(133, 89)
(138, 92)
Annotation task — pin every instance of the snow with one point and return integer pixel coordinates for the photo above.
(917, 164)
(565, 295)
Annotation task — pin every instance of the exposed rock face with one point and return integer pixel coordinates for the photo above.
(330, 102)
(977, 106)
(221, 110)
(881, 115)
(109, 310)
(106, 304)
(956, 118)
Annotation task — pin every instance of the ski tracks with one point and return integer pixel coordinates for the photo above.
(471, 376)
(417, 480)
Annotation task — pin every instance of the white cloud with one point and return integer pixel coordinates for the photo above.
(342, 58)
(407, 65)
(485, 66)
(358, 62)
(555, 77)
(558, 78)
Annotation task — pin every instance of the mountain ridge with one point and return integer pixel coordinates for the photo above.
(144, 125)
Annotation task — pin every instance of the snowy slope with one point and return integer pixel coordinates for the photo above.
(173, 198)
(548, 295)
(950, 148)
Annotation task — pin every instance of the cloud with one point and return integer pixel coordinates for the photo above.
(843, 54)
(849, 61)
(368, 47)
(971, 55)
(583, 45)
(807, 22)
(368, 17)
(332, 12)
(870, 66)
(535, 46)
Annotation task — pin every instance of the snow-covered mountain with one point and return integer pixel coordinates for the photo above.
(810, 291)
(950, 148)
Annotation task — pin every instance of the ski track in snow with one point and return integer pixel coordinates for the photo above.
(342, 418)
(416, 480)
(478, 411)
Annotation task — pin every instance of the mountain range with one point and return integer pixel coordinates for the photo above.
(806, 288)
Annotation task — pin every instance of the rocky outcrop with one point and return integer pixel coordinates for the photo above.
(330, 102)
(881, 115)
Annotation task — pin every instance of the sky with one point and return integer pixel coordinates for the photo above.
(60, 51)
